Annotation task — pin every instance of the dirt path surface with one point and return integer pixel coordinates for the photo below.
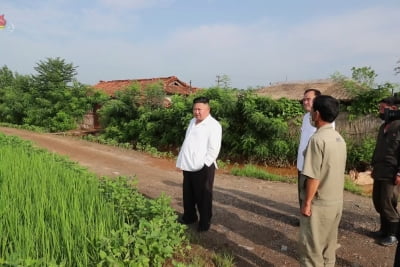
(254, 219)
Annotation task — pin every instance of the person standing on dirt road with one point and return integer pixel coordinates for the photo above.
(306, 131)
(322, 196)
(197, 159)
(386, 174)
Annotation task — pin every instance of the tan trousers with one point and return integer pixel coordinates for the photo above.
(318, 236)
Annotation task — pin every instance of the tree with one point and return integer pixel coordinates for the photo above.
(366, 94)
(6, 77)
(14, 96)
(54, 72)
(58, 101)
(364, 76)
(116, 113)
(223, 81)
(154, 95)
(397, 68)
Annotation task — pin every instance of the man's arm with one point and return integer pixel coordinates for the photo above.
(311, 189)
(214, 145)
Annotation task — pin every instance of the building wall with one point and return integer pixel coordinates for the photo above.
(88, 121)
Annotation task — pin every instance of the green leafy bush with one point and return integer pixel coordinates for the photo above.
(359, 153)
(51, 99)
(151, 233)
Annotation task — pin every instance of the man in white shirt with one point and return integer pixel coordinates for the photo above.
(306, 131)
(197, 159)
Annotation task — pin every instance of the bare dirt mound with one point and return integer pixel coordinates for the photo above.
(295, 90)
(253, 219)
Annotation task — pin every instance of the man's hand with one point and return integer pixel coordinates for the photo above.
(306, 209)
(311, 189)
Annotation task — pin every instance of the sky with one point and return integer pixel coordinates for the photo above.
(254, 42)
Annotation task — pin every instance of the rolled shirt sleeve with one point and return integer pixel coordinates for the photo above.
(313, 159)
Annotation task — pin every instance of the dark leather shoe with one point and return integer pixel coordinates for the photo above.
(388, 241)
(181, 220)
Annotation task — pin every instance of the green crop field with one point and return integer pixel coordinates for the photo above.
(55, 213)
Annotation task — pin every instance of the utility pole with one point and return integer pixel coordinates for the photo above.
(218, 80)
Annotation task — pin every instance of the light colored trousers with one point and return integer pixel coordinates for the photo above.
(318, 236)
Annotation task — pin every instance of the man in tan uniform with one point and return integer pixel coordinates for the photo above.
(322, 194)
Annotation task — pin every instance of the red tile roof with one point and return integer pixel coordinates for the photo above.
(172, 85)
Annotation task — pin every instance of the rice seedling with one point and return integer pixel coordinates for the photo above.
(55, 213)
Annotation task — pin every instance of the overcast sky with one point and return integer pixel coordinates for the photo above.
(254, 42)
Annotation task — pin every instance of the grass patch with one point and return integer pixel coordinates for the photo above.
(225, 259)
(350, 186)
(23, 127)
(256, 172)
(196, 255)
(250, 170)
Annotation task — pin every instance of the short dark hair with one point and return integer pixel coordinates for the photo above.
(201, 99)
(316, 91)
(327, 106)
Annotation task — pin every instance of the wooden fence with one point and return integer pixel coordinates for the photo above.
(356, 129)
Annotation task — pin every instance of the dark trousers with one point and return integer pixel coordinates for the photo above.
(385, 196)
(198, 191)
(301, 187)
(397, 256)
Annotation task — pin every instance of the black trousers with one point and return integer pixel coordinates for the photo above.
(198, 192)
(385, 196)
(397, 256)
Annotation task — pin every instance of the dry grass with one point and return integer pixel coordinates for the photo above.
(295, 90)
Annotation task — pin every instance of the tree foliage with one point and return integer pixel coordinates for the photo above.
(154, 95)
(6, 77)
(397, 68)
(366, 102)
(57, 99)
(54, 73)
(256, 129)
(223, 81)
(366, 94)
(365, 76)
(52, 98)
(14, 96)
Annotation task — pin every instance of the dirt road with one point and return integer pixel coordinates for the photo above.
(254, 219)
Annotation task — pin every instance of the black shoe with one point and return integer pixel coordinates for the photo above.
(377, 234)
(203, 228)
(388, 241)
(181, 220)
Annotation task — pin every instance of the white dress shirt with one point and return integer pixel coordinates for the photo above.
(201, 145)
(306, 131)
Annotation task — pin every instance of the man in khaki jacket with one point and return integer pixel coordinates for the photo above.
(322, 195)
